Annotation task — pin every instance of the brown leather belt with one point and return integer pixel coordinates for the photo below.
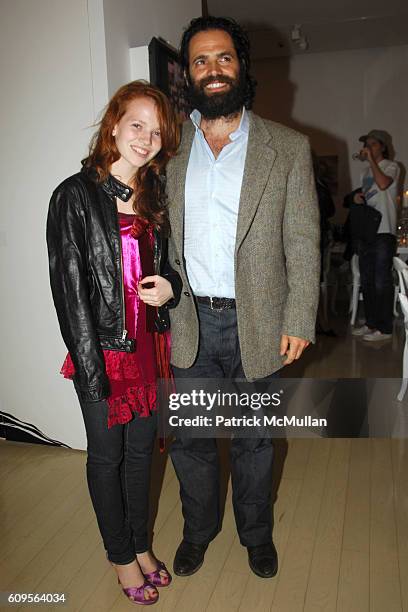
(216, 303)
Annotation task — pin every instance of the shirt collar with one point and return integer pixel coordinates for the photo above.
(243, 127)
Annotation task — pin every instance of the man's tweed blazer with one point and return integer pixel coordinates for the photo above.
(277, 257)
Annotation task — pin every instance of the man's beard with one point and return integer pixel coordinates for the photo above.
(220, 104)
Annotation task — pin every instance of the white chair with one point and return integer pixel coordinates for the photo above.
(402, 270)
(396, 313)
(324, 285)
(329, 281)
(403, 300)
(356, 293)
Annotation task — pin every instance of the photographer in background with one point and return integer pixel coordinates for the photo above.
(379, 185)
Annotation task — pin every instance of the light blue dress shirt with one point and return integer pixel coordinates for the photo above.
(212, 193)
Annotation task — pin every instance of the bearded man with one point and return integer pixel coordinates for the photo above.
(245, 240)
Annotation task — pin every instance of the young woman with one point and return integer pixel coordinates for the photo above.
(112, 288)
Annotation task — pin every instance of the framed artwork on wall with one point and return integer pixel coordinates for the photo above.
(167, 74)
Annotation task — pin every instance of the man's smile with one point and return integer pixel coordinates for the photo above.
(216, 85)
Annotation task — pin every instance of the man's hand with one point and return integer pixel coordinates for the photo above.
(157, 292)
(358, 198)
(366, 154)
(293, 347)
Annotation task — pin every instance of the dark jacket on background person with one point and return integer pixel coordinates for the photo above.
(85, 263)
(327, 209)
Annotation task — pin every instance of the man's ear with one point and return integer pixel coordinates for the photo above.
(186, 78)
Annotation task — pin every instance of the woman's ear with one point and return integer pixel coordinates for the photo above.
(114, 131)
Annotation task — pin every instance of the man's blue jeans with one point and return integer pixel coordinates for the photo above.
(196, 459)
(375, 260)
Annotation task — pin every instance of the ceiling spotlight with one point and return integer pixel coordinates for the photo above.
(298, 38)
(302, 43)
(296, 33)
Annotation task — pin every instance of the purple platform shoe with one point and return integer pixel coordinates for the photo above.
(137, 594)
(156, 579)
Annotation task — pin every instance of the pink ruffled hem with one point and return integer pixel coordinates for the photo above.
(128, 395)
(140, 399)
(119, 366)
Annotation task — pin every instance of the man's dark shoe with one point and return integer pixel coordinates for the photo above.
(263, 560)
(189, 558)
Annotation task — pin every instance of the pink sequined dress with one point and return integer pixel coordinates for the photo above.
(133, 376)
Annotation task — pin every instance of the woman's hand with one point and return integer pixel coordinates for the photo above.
(157, 292)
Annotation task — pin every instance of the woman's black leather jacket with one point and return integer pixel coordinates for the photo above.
(86, 276)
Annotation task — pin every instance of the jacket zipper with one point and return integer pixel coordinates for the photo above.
(157, 253)
(124, 332)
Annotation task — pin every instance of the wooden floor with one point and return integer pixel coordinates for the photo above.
(341, 523)
(341, 531)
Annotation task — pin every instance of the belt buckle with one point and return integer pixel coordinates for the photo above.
(212, 304)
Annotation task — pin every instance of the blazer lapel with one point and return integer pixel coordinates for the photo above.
(177, 170)
(260, 158)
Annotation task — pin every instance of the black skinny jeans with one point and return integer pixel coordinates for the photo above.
(118, 473)
(375, 260)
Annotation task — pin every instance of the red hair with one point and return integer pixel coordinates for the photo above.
(146, 181)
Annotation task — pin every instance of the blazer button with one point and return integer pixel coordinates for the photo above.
(186, 293)
(177, 261)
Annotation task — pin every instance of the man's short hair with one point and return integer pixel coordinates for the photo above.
(380, 136)
(241, 43)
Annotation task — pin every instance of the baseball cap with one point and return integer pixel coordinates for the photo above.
(379, 135)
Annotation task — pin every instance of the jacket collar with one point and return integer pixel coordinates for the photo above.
(111, 185)
(260, 159)
(114, 187)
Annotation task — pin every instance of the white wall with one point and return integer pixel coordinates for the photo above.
(132, 23)
(54, 74)
(47, 102)
(139, 63)
(336, 97)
